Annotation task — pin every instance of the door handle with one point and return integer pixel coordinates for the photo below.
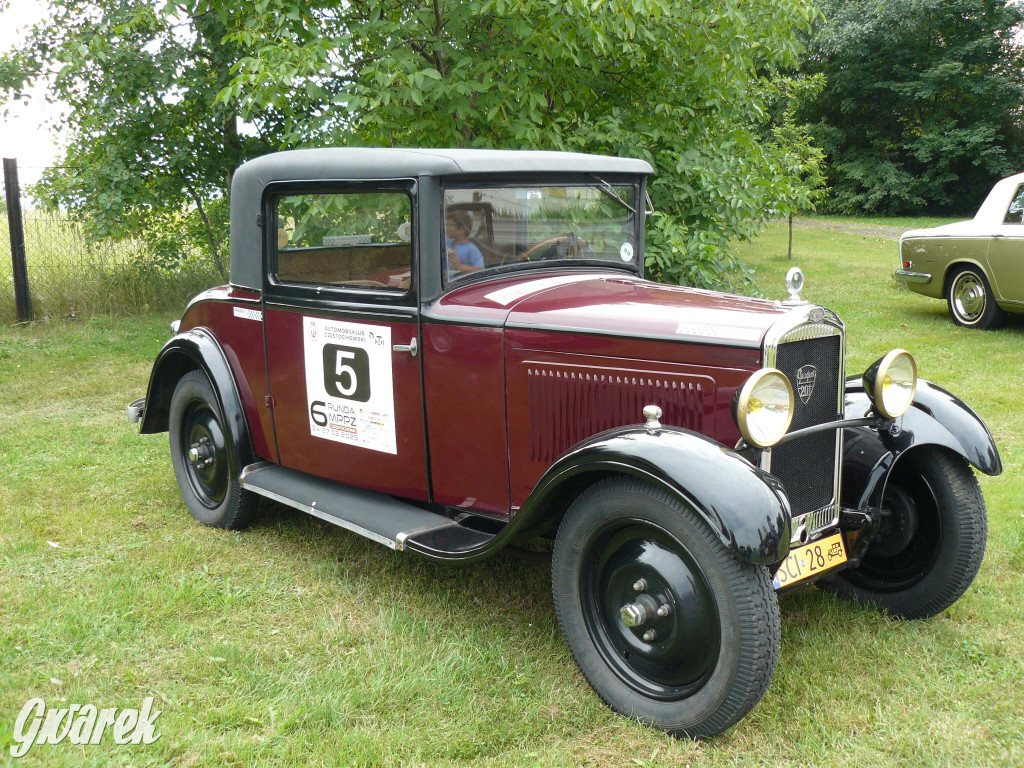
(411, 347)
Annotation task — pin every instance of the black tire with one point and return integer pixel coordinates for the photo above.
(971, 301)
(210, 489)
(931, 542)
(712, 656)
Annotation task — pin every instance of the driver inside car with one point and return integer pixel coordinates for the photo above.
(463, 255)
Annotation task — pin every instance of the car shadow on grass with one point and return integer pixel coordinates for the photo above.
(505, 589)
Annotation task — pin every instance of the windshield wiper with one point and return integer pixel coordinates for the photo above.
(607, 189)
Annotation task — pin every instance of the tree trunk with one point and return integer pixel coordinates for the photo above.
(790, 253)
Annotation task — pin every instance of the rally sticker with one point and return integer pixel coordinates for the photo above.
(248, 314)
(626, 251)
(348, 383)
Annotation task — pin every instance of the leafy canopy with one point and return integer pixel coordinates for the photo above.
(158, 95)
(150, 149)
(685, 86)
(922, 107)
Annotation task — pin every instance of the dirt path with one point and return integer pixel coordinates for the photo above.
(869, 230)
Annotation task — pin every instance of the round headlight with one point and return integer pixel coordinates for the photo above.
(891, 383)
(764, 407)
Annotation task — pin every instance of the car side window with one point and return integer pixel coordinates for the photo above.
(1015, 213)
(357, 240)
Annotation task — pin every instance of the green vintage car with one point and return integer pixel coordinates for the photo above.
(977, 266)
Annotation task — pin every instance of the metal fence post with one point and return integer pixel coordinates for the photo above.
(17, 230)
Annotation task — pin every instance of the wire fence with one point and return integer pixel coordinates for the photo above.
(71, 275)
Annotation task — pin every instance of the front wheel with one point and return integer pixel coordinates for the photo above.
(665, 624)
(930, 541)
(970, 300)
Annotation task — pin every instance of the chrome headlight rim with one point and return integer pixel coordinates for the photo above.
(876, 375)
(742, 411)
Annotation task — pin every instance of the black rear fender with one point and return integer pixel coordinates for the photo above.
(197, 349)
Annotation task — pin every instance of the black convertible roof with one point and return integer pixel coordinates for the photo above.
(355, 163)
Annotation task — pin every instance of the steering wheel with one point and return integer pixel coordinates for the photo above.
(568, 246)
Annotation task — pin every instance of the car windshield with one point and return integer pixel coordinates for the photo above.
(490, 228)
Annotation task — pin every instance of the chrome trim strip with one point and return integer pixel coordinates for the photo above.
(912, 277)
(312, 510)
(801, 324)
(400, 538)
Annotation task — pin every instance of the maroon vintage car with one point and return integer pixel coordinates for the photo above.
(454, 351)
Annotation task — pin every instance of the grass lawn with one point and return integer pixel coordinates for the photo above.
(299, 643)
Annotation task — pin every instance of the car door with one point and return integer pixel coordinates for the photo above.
(1006, 252)
(341, 333)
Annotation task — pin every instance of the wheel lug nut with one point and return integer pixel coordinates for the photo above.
(664, 610)
(650, 636)
(639, 585)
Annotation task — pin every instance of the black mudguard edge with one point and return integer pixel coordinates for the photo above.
(746, 508)
(936, 418)
(197, 348)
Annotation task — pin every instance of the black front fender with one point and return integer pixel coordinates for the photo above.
(745, 507)
(936, 418)
(197, 349)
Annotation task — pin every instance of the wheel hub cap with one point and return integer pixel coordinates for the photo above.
(969, 297)
(206, 454)
(664, 638)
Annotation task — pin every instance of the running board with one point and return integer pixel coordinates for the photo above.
(381, 518)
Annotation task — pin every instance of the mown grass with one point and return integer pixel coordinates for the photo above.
(70, 276)
(295, 643)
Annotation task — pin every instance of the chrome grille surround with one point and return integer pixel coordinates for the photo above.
(802, 324)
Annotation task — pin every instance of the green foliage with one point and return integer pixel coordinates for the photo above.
(158, 95)
(922, 105)
(150, 152)
(685, 86)
(313, 218)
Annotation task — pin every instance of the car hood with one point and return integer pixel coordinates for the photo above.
(629, 306)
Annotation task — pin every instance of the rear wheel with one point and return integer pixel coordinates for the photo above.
(970, 300)
(665, 624)
(930, 542)
(199, 454)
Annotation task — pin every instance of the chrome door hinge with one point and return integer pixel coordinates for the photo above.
(268, 400)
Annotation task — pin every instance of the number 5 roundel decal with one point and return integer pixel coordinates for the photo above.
(348, 383)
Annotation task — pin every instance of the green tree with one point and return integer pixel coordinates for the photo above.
(683, 85)
(166, 99)
(149, 149)
(922, 107)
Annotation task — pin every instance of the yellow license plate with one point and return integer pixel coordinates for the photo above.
(810, 560)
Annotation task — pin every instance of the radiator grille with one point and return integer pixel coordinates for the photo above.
(568, 405)
(807, 466)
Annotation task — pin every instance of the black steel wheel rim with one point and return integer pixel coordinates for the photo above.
(680, 656)
(908, 540)
(204, 453)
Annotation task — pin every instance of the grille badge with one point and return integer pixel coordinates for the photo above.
(805, 377)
